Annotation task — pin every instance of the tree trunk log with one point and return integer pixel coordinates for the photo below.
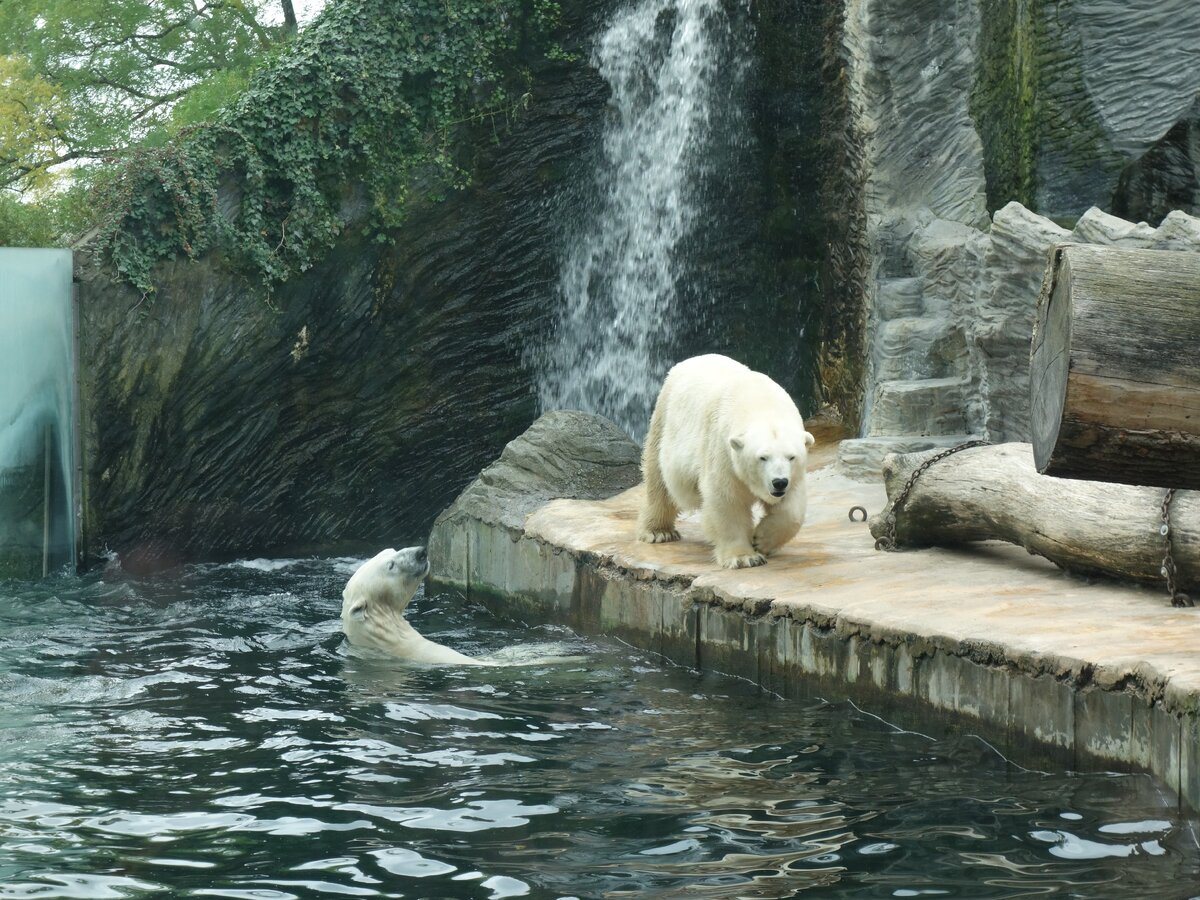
(1115, 367)
(995, 493)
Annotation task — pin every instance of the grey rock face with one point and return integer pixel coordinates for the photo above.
(1166, 177)
(350, 407)
(1117, 76)
(950, 296)
(564, 454)
(960, 367)
(908, 63)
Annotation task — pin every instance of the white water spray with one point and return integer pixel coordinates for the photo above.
(618, 281)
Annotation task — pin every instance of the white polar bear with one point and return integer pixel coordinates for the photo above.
(723, 438)
(373, 605)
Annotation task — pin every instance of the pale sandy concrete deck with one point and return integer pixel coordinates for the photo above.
(988, 639)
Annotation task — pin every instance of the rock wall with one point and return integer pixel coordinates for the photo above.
(1055, 117)
(350, 406)
(891, 136)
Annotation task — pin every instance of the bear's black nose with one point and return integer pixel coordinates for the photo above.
(779, 485)
(420, 554)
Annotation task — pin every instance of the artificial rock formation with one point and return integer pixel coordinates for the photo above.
(350, 406)
(1053, 118)
(890, 137)
(564, 454)
(951, 340)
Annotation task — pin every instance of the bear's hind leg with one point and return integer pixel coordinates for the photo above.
(656, 520)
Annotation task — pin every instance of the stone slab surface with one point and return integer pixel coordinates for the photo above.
(1050, 668)
(992, 603)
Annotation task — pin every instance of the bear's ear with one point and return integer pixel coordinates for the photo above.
(737, 442)
(358, 610)
(809, 440)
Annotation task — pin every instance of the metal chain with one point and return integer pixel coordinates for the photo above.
(887, 536)
(1169, 570)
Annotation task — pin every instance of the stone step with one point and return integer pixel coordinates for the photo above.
(917, 347)
(899, 297)
(920, 406)
(862, 458)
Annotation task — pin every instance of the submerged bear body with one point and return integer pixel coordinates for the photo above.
(373, 605)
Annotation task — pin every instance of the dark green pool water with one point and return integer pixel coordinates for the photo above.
(205, 734)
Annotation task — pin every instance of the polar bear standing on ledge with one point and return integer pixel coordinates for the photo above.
(722, 438)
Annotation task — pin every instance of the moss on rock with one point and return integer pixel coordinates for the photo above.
(1004, 100)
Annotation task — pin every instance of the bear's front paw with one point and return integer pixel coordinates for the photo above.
(744, 561)
(658, 537)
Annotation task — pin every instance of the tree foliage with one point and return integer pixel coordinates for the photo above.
(367, 101)
(89, 78)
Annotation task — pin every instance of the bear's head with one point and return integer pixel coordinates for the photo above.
(770, 460)
(387, 580)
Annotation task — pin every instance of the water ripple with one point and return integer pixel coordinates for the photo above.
(204, 735)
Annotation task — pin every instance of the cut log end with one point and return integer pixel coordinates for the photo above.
(1114, 372)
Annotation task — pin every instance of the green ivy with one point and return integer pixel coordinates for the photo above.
(372, 97)
(1004, 101)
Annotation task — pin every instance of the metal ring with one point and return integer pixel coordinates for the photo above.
(859, 509)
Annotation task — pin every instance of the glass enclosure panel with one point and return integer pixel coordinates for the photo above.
(37, 416)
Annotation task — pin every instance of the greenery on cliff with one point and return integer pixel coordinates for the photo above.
(362, 106)
(1004, 99)
(336, 127)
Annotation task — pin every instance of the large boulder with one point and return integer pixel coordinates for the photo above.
(563, 455)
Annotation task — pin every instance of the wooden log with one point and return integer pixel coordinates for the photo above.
(1115, 367)
(995, 493)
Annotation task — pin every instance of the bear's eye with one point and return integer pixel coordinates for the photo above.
(791, 457)
(391, 565)
(763, 458)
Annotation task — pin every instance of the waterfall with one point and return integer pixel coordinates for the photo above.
(621, 269)
(37, 430)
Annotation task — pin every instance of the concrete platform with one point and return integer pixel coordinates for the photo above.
(1050, 668)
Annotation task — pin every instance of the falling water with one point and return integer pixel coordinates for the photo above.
(37, 434)
(620, 276)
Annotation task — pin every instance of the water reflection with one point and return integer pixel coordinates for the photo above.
(204, 734)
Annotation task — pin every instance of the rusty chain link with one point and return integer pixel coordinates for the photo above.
(887, 538)
(1178, 598)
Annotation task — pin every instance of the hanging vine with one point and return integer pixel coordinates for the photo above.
(374, 97)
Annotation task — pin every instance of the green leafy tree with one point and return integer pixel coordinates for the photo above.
(82, 80)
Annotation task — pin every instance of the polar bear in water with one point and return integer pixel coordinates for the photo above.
(373, 604)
